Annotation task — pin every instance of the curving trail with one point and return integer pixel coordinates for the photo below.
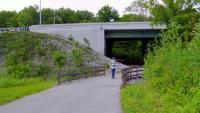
(93, 95)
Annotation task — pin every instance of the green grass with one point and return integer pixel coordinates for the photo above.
(28, 59)
(139, 98)
(172, 78)
(12, 88)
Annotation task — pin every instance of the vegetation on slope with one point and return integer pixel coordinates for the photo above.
(172, 78)
(29, 62)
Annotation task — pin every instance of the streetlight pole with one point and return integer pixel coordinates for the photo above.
(40, 14)
(54, 18)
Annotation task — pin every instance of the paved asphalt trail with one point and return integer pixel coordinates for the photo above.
(93, 95)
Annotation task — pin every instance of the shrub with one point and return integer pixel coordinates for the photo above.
(77, 57)
(59, 58)
(70, 37)
(172, 72)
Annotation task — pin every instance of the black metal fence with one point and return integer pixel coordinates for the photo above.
(26, 28)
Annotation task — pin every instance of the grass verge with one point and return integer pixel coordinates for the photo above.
(139, 98)
(12, 89)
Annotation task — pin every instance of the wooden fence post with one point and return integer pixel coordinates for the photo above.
(58, 76)
(136, 73)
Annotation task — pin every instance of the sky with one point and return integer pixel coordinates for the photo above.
(91, 5)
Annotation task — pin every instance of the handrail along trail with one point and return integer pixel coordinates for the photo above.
(131, 73)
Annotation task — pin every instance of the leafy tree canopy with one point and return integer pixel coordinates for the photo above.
(138, 7)
(84, 16)
(133, 17)
(66, 15)
(181, 11)
(48, 16)
(107, 13)
(28, 16)
(8, 18)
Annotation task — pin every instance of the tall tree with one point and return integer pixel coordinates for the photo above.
(107, 13)
(138, 7)
(48, 16)
(84, 16)
(182, 12)
(28, 16)
(8, 19)
(66, 15)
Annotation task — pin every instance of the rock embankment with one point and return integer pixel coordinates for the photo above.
(107, 60)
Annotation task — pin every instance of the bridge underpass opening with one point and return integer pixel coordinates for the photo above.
(129, 46)
(127, 51)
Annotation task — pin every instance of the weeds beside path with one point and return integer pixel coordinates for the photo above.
(93, 95)
(12, 89)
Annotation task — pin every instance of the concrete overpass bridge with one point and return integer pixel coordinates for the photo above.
(101, 35)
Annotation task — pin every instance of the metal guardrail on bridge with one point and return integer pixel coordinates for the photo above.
(26, 28)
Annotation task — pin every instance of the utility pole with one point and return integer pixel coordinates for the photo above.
(40, 14)
(54, 18)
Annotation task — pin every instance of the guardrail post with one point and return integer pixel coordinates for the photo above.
(28, 28)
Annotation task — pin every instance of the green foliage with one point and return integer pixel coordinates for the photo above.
(139, 7)
(183, 12)
(139, 98)
(133, 17)
(129, 50)
(29, 54)
(59, 58)
(8, 18)
(66, 15)
(172, 71)
(180, 11)
(29, 60)
(21, 69)
(84, 16)
(13, 88)
(107, 13)
(28, 16)
(106, 66)
(77, 55)
(48, 16)
(22, 49)
(24, 52)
